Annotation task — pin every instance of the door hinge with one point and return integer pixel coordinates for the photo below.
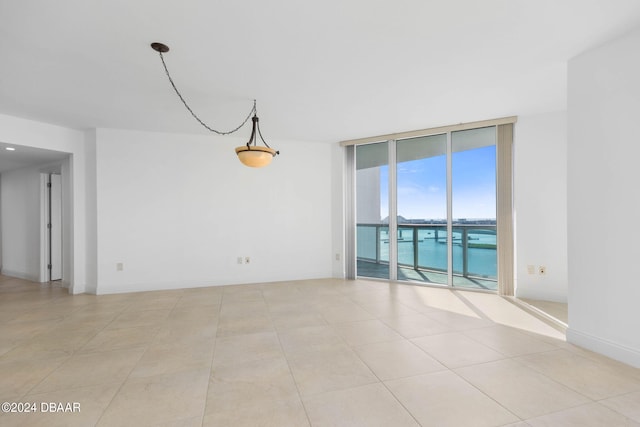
(48, 184)
(48, 266)
(49, 225)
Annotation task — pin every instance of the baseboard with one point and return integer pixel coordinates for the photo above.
(616, 351)
(20, 275)
(185, 284)
(155, 286)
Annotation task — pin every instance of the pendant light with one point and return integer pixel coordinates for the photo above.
(251, 154)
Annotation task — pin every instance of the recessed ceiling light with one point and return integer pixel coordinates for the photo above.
(10, 149)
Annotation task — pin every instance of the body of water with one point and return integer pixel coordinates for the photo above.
(432, 249)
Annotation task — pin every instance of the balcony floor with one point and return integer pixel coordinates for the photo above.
(381, 271)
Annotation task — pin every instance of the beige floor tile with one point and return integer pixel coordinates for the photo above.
(199, 299)
(591, 415)
(88, 369)
(200, 315)
(242, 309)
(345, 313)
(17, 332)
(386, 308)
(455, 349)
(288, 413)
(556, 309)
(290, 305)
(7, 346)
(41, 314)
(509, 341)
(185, 332)
(55, 344)
(234, 294)
(459, 322)
(330, 341)
(444, 399)
(415, 325)
(367, 406)
(117, 339)
(597, 380)
(158, 399)
(19, 377)
(310, 339)
(397, 359)
(366, 332)
(101, 308)
(626, 404)
(166, 358)
(329, 370)
(183, 422)
(245, 348)
(250, 383)
(505, 312)
(244, 325)
(134, 319)
(91, 403)
(292, 320)
(152, 302)
(522, 390)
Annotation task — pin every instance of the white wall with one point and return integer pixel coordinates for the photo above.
(603, 203)
(20, 205)
(91, 199)
(540, 200)
(177, 211)
(41, 135)
(338, 192)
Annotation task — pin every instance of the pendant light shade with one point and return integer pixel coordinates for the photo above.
(255, 156)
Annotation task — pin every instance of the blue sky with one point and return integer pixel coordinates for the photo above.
(422, 189)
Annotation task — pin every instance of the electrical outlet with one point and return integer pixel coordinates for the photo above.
(119, 266)
(542, 270)
(531, 269)
(337, 257)
(247, 260)
(239, 260)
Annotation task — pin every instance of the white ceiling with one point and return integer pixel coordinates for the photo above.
(321, 71)
(22, 157)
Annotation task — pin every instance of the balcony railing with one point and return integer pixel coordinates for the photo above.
(424, 247)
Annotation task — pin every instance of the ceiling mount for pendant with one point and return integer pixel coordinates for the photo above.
(160, 47)
(251, 154)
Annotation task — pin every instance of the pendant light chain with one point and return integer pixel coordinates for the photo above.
(252, 112)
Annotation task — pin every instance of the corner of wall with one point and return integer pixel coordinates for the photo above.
(337, 206)
(600, 345)
(91, 200)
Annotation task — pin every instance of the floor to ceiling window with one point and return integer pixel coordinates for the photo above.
(473, 197)
(372, 210)
(421, 185)
(426, 208)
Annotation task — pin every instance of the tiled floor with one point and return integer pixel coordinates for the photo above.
(556, 310)
(320, 352)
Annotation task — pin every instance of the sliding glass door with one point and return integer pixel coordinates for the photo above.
(473, 196)
(421, 185)
(372, 210)
(426, 209)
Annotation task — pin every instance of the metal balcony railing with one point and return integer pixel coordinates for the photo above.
(424, 247)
